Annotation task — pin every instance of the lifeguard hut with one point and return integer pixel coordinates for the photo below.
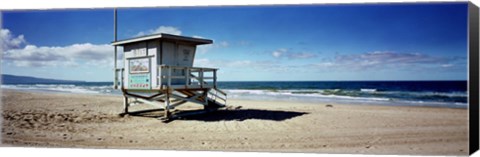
(158, 70)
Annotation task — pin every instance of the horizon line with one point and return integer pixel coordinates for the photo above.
(252, 80)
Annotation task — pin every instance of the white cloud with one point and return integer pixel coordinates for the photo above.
(72, 55)
(383, 58)
(263, 66)
(202, 49)
(9, 41)
(196, 36)
(386, 60)
(447, 65)
(161, 29)
(204, 62)
(378, 60)
(301, 55)
(16, 52)
(223, 44)
(279, 53)
(292, 55)
(322, 65)
(239, 64)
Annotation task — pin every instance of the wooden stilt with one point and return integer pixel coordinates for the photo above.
(167, 105)
(205, 99)
(125, 104)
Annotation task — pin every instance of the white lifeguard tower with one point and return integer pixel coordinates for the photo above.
(158, 70)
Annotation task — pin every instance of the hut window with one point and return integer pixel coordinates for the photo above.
(139, 65)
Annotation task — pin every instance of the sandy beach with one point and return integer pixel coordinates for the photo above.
(36, 119)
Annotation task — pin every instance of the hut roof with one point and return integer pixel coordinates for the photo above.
(196, 41)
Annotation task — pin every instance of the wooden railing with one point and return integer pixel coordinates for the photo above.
(177, 77)
(186, 77)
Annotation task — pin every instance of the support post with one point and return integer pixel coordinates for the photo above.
(122, 76)
(167, 104)
(169, 77)
(215, 78)
(160, 76)
(187, 77)
(125, 104)
(115, 82)
(205, 98)
(200, 75)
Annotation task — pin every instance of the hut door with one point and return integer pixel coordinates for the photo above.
(169, 57)
(185, 55)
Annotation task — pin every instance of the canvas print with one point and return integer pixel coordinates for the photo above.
(139, 65)
(349, 78)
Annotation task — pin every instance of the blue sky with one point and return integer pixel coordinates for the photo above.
(308, 42)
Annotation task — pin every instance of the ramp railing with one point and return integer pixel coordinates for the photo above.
(218, 96)
(180, 77)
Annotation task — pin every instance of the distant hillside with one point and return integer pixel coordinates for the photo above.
(12, 79)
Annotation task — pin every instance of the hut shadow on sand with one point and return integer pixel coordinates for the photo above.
(225, 115)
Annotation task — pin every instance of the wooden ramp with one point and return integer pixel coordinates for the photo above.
(211, 102)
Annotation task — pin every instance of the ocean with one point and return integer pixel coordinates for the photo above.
(451, 94)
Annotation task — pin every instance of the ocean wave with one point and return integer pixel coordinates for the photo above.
(299, 93)
(368, 90)
(366, 96)
(65, 88)
(359, 96)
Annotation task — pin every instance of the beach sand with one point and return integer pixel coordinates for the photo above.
(92, 121)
